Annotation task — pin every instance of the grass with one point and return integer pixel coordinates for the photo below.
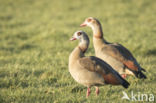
(34, 47)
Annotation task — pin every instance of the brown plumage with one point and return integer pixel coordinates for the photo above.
(114, 54)
(91, 71)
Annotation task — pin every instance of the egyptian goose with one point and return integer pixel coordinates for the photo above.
(91, 71)
(114, 54)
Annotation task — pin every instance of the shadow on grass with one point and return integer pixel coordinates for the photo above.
(58, 85)
(151, 52)
(14, 83)
(16, 49)
(16, 25)
(6, 18)
(27, 46)
(77, 89)
(1, 99)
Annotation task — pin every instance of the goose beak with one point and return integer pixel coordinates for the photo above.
(71, 39)
(83, 25)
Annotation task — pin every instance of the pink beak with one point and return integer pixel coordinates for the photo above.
(72, 38)
(83, 24)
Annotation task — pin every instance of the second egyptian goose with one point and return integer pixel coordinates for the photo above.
(91, 71)
(114, 54)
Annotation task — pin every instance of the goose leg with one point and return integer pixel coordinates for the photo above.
(124, 75)
(88, 92)
(97, 91)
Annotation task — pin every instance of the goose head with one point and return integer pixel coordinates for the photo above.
(83, 39)
(91, 22)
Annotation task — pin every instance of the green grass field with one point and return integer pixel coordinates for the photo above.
(35, 46)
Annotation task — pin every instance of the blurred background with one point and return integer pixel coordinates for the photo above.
(35, 46)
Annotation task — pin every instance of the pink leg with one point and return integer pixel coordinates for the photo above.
(97, 91)
(124, 75)
(88, 92)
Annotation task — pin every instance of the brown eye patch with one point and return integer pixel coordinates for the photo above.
(89, 20)
(79, 33)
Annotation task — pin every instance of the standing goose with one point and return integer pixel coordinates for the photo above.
(91, 71)
(114, 54)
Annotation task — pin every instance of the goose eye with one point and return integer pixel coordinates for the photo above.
(89, 20)
(79, 33)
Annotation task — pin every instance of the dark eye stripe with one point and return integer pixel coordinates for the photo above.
(79, 33)
(89, 20)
